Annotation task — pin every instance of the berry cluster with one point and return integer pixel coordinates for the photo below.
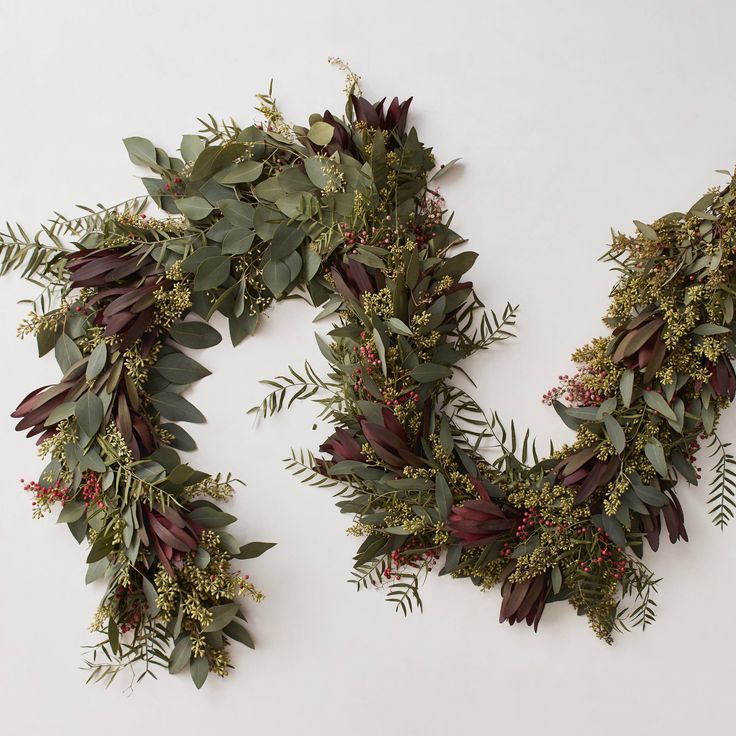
(126, 598)
(367, 354)
(46, 496)
(530, 520)
(608, 558)
(574, 390)
(92, 490)
(175, 187)
(354, 238)
(400, 558)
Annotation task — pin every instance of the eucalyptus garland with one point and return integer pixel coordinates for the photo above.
(345, 213)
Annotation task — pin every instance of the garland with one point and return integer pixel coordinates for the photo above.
(346, 213)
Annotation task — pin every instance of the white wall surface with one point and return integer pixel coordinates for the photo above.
(570, 117)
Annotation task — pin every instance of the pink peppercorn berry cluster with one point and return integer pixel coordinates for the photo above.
(692, 447)
(367, 353)
(92, 491)
(530, 520)
(46, 496)
(175, 187)
(354, 238)
(399, 559)
(134, 616)
(78, 308)
(575, 392)
(609, 555)
(431, 212)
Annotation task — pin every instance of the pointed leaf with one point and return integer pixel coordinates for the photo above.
(89, 411)
(657, 402)
(177, 408)
(243, 173)
(615, 433)
(180, 369)
(141, 151)
(66, 352)
(655, 454)
(96, 362)
(194, 208)
(180, 655)
(199, 669)
(194, 334)
(626, 386)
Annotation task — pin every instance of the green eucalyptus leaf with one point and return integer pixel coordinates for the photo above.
(212, 272)
(323, 172)
(141, 152)
(242, 173)
(180, 654)
(443, 496)
(237, 213)
(191, 263)
(96, 362)
(626, 386)
(429, 372)
(194, 208)
(72, 511)
(237, 632)
(199, 669)
(177, 408)
(321, 133)
(615, 433)
(63, 411)
(66, 352)
(222, 616)
(615, 531)
(149, 591)
(89, 412)
(238, 241)
(556, 575)
(286, 240)
(253, 549)
(192, 334)
(180, 369)
(277, 277)
(709, 329)
(657, 402)
(646, 230)
(655, 454)
(191, 146)
(96, 570)
(211, 518)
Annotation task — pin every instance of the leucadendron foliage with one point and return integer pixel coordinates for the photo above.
(345, 212)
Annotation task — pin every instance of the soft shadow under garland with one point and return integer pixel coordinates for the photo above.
(346, 212)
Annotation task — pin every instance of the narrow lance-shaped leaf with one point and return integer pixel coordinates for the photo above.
(655, 454)
(89, 411)
(657, 402)
(615, 433)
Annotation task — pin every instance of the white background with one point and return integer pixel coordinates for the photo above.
(570, 117)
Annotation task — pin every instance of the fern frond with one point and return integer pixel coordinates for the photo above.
(369, 573)
(94, 217)
(34, 258)
(640, 583)
(149, 648)
(472, 337)
(304, 467)
(722, 492)
(404, 593)
(303, 387)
